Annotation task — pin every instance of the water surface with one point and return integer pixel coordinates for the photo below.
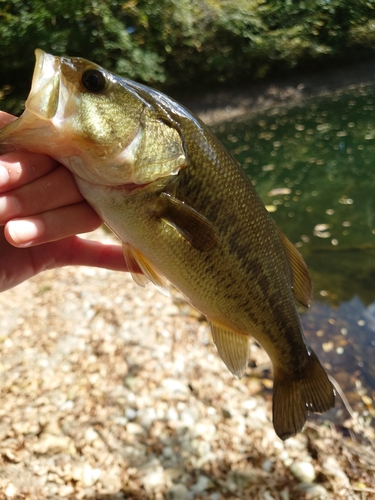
(314, 167)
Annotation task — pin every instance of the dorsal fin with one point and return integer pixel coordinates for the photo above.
(233, 348)
(134, 258)
(193, 226)
(302, 284)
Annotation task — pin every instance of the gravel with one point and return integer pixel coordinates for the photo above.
(113, 391)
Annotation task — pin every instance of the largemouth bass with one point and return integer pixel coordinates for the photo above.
(185, 212)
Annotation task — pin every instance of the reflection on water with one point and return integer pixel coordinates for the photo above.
(314, 167)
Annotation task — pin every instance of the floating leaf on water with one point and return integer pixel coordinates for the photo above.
(324, 293)
(334, 242)
(323, 127)
(271, 208)
(277, 144)
(322, 227)
(345, 201)
(330, 211)
(344, 331)
(340, 350)
(369, 137)
(361, 322)
(342, 133)
(299, 127)
(346, 223)
(327, 346)
(305, 238)
(268, 168)
(266, 135)
(279, 191)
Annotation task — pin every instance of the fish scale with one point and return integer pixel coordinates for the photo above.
(185, 212)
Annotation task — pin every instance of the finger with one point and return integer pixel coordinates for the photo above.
(52, 191)
(52, 225)
(6, 118)
(20, 168)
(82, 252)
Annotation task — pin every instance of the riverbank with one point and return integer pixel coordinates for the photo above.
(293, 88)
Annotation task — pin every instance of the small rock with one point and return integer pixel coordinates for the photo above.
(91, 435)
(134, 428)
(313, 491)
(152, 476)
(267, 465)
(66, 490)
(11, 490)
(332, 468)
(303, 471)
(111, 483)
(49, 443)
(177, 492)
(131, 413)
(203, 484)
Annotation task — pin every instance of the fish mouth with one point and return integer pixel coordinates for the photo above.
(45, 108)
(44, 95)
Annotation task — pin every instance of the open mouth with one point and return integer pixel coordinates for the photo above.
(44, 94)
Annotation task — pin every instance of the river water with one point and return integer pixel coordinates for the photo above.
(314, 167)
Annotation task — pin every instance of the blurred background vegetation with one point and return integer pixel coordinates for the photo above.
(188, 44)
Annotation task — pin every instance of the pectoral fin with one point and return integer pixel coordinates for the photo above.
(193, 226)
(302, 285)
(135, 259)
(233, 348)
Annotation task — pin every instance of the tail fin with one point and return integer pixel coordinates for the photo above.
(295, 398)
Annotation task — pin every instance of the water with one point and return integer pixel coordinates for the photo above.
(314, 167)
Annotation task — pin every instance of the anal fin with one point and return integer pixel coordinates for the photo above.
(294, 398)
(233, 348)
(135, 259)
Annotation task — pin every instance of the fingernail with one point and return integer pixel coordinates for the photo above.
(4, 176)
(23, 232)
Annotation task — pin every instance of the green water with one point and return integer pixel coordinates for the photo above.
(314, 167)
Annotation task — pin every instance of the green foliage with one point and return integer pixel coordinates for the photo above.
(179, 42)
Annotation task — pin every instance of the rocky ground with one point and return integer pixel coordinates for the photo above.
(113, 391)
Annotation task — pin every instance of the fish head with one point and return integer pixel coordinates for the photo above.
(94, 123)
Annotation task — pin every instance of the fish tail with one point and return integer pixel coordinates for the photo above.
(295, 398)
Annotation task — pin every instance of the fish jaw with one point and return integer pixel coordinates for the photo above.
(41, 127)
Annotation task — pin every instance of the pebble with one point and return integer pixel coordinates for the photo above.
(303, 471)
(166, 406)
(177, 492)
(203, 484)
(332, 468)
(314, 491)
(134, 428)
(49, 443)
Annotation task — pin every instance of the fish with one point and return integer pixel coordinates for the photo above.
(186, 214)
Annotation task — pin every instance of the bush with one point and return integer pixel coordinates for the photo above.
(183, 43)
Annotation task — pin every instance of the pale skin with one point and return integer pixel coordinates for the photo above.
(41, 214)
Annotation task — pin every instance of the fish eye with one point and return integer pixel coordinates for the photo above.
(93, 80)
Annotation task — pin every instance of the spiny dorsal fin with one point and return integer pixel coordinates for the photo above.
(294, 398)
(134, 259)
(193, 226)
(302, 284)
(233, 348)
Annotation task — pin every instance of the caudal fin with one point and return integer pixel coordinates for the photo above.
(295, 398)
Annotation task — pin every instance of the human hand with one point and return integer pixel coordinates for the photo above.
(41, 212)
